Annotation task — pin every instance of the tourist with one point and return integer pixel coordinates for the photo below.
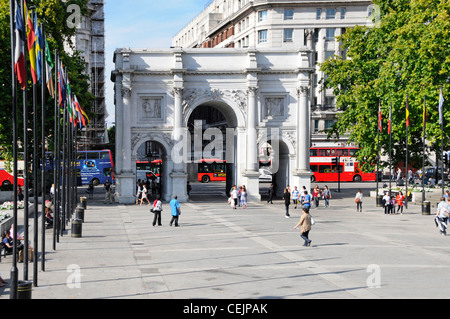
(175, 209)
(287, 200)
(326, 196)
(359, 200)
(295, 196)
(305, 224)
(108, 189)
(387, 203)
(271, 193)
(316, 195)
(400, 199)
(243, 197)
(157, 209)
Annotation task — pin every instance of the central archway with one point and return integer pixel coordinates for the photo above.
(212, 171)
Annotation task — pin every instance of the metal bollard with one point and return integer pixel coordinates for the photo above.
(79, 213)
(379, 201)
(83, 202)
(426, 208)
(24, 290)
(77, 228)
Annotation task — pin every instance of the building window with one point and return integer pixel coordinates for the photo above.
(288, 35)
(328, 54)
(262, 15)
(330, 34)
(288, 14)
(331, 14)
(262, 36)
(318, 14)
(343, 12)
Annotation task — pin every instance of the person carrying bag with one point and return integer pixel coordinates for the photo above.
(156, 210)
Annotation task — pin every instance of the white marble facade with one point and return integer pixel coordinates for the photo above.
(263, 94)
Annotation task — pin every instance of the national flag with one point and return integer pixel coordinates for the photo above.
(441, 107)
(61, 84)
(19, 52)
(48, 69)
(407, 112)
(31, 39)
(82, 114)
(39, 47)
(77, 107)
(390, 120)
(380, 119)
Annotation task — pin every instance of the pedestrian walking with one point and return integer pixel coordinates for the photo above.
(175, 209)
(359, 200)
(387, 203)
(157, 209)
(287, 200)
(305, 225)
(295, 196)
(144, 194)
(243, 197)
(400, 199)
(306, 200)
(316, 195)
(90, 190)
(326, 196)
(234, 197)
(442, 214)
(271, 192)
(189, 189)
(107, 188)
(138, 193)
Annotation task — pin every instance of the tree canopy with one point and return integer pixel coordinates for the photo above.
(54, 15)
(405, 53)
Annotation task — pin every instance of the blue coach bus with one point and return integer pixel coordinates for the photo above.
(92, 166)
(95, 167)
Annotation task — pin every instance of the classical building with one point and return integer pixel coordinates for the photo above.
(89, 40)
(283, 25)
(262, 96)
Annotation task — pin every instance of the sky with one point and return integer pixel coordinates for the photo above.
(147, 24)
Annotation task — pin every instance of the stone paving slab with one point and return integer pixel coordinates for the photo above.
(220, 253)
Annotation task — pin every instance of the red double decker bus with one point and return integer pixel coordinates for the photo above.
(212, 170)
(321, 163)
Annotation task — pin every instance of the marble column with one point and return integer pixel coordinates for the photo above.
(179, 156)
(251, 174)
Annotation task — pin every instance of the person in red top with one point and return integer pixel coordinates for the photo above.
(400, 199)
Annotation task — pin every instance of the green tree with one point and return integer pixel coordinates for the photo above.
(406, 52)
(53, 14)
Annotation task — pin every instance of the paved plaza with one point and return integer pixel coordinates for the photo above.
(220, 253)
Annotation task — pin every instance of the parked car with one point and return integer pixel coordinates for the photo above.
(431, 172)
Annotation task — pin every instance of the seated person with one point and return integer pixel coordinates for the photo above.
(8, 242)
(14, 234)
(48, 217)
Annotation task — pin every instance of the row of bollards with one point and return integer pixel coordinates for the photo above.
(24, 288)
(77, 223)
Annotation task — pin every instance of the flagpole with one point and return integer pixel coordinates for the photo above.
(378, 149)
(390, 149)
(423, 153)
(441, 120)
(26, 165)
(56, 164)
(14, 269)
(43, 157)
(407, 148)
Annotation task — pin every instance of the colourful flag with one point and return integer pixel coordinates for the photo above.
(81, 119)
(19, 52)
(407, 113)
(441, 107)
(61, 85)
(39, 47)
(48, 70)
(31, 39)
(380, 119)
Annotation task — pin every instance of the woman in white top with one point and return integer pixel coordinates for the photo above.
(359, 200)
(387, 203)
(144, 194)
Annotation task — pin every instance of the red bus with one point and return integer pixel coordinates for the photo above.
(321, 165)
(148, 169)
(8, 179)
(212, 170)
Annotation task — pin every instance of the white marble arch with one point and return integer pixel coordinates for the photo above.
(235, 82)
